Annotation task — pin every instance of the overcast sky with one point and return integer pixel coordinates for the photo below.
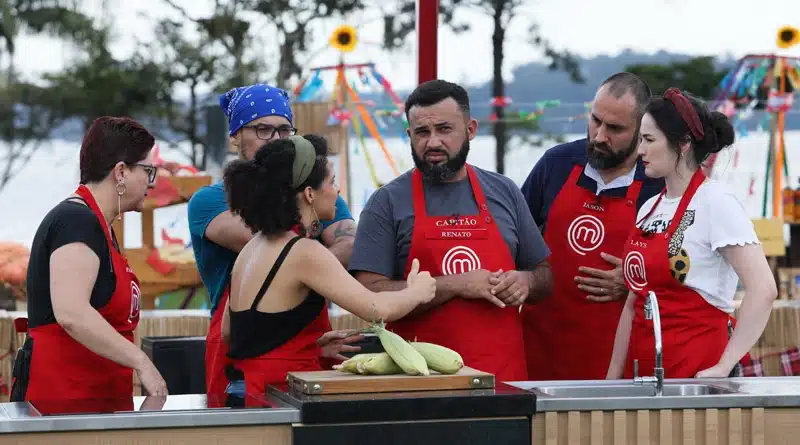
(585, 27)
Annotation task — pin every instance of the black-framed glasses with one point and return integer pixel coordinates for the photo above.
(267, 132)
(151, 170)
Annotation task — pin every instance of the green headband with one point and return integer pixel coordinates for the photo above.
(304, 158)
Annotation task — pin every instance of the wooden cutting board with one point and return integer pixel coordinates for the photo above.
(337, 382)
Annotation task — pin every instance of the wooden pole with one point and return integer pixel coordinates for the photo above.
(427, 39)
(344, 153)
(777, 184)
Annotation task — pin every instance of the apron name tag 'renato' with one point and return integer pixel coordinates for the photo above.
(457, 234)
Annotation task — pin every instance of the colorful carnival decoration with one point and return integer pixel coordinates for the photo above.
(767, 81)
(347, 107)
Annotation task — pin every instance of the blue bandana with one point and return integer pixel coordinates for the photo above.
(244, 104)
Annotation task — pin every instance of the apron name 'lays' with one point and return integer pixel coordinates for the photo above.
(694, 332)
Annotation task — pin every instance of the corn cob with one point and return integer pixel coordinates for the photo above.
(406, 357)
(351, 364)
(380, 364)
(439, 358)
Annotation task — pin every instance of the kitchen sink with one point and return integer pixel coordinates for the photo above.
(630, 390)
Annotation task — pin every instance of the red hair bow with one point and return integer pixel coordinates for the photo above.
(687, 112)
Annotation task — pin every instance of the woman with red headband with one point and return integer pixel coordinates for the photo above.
(691, 245)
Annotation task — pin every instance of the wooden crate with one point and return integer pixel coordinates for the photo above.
(153, 283)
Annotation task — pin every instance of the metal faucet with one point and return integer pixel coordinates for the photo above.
(651, 312)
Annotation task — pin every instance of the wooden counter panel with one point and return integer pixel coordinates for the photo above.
(239, 435)
(663, 427)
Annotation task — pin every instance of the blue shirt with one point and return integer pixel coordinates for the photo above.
(552, 171)
(215, 262)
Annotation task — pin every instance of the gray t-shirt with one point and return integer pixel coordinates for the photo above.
(383, 239)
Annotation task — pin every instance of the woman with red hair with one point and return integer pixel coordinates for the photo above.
(83, 297)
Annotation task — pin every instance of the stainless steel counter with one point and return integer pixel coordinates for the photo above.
(170, 412)
(609, 395)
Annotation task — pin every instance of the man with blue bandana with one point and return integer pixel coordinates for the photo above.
(256, 115)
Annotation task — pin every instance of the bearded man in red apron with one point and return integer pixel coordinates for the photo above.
(469, 227)
(256, 115)
(586, 194)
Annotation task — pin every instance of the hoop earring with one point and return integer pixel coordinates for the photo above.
(121, 189)
(315, 228)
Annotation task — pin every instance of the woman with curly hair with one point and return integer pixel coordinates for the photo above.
(282, 277)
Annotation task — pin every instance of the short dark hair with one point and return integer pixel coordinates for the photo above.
(434, 91)
(622, 83)
(319, 142)
(260, 191)
(110, 140)
(718, 132)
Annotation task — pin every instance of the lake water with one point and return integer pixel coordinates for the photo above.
(52, 174)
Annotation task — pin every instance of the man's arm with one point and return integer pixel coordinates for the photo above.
(210, 217)
(447, 287)
(339, 238)
(540, 282)
(533, 279)
(339, 235)
(229, 231)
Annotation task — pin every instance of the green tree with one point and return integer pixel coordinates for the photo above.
(26, 120)
(502, 13)
(401, 21)
(189, 65)
(227, 35)
(697, 75)
(98, 84)
(59, 18)
(293, 20)
(27, 115)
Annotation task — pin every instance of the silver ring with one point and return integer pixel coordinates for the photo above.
(602, 291)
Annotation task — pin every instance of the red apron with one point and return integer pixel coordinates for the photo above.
(217, 357)
(64, 371)
(488, 338)
(568, 337)
(694, 332)
(301, 353)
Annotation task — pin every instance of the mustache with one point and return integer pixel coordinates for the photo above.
(437, 151)
(601, 146)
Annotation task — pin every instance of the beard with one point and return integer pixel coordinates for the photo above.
(603, 157)
(443, 171)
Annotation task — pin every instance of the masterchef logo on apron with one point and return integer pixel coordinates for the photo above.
(135, 297)
(585, 234)
(460, 259)
(633, 269)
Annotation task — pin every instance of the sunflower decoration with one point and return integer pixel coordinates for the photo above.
(788, 36)
(344, 38)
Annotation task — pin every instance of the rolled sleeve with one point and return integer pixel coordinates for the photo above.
(732, 226)
(205, 205)
(375, 246)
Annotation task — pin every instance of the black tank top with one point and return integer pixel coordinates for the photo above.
(254, 333)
